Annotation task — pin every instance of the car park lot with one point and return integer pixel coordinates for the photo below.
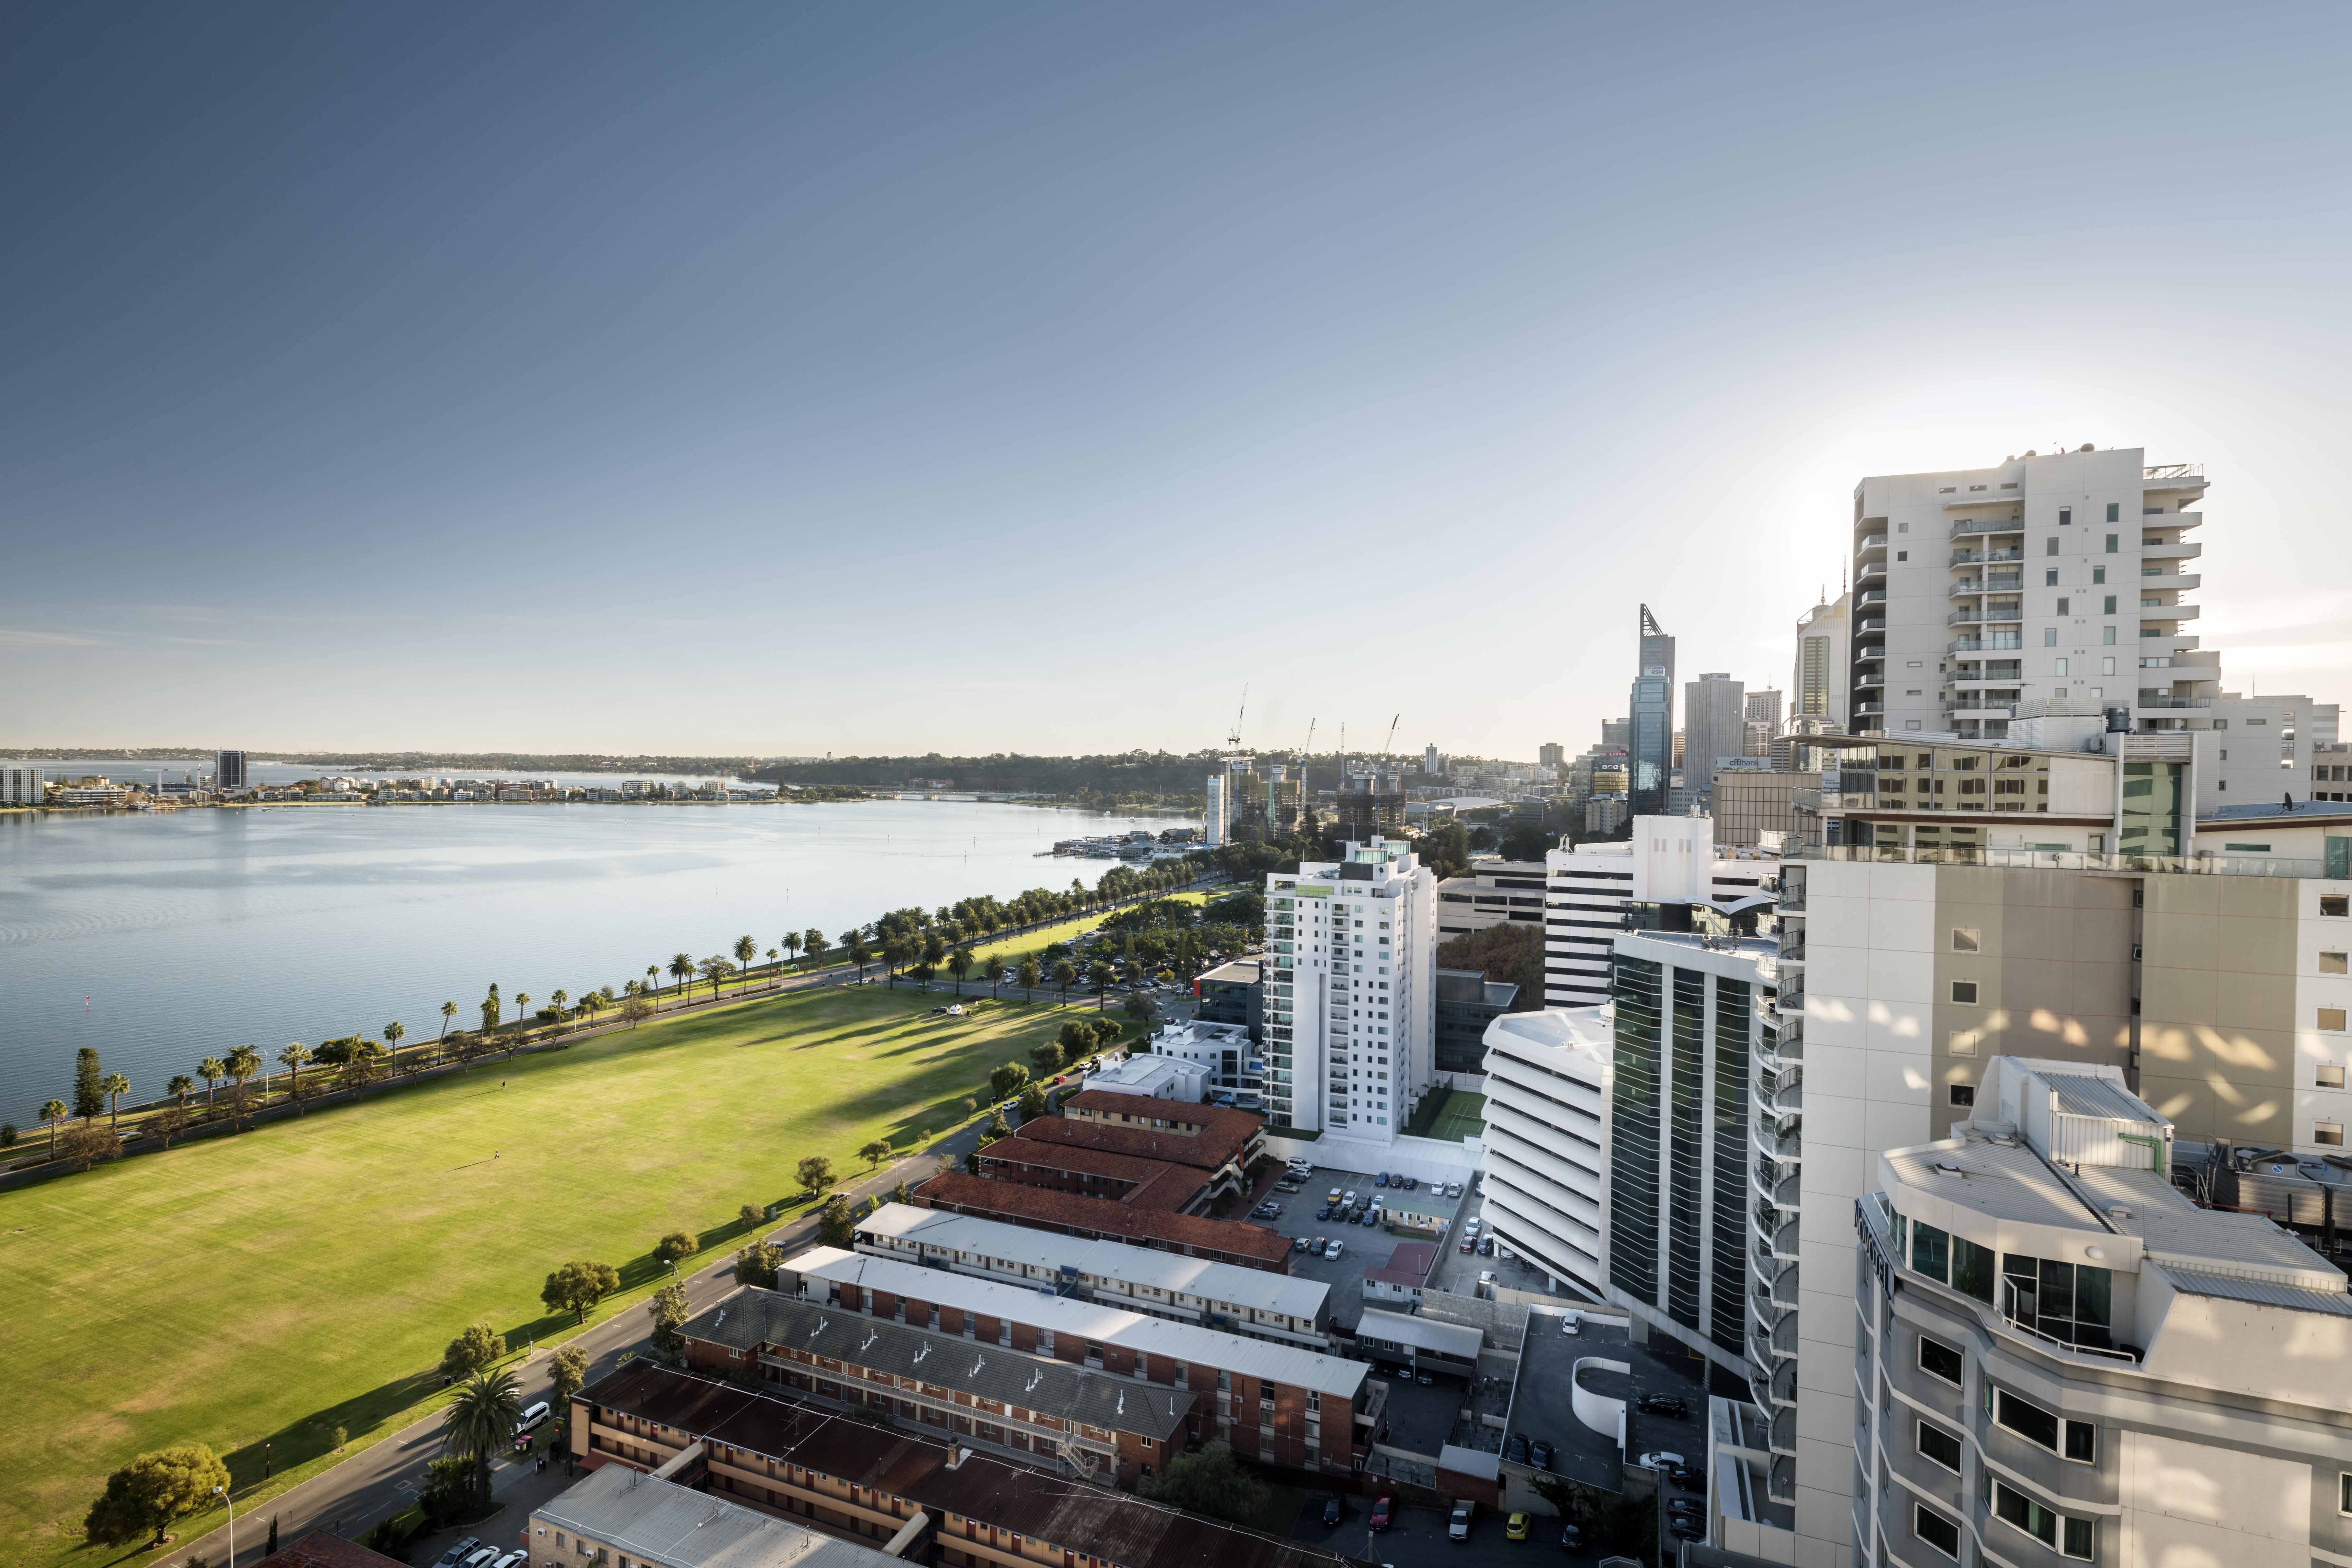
(1364, 1246)
(1415, 1538)
(1541, 1406)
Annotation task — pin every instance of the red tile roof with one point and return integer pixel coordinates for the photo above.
(1075, 1158)
(325, 1549)
(1075, 1214)
(1223, 1134)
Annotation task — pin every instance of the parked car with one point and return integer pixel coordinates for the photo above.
(1458, 1527)
(1664, 1404)
(1371, 1216)
(1539, 1455)
(1471, 1224)
(1514, 1448)
(1332, 1510)
(1412, 1184)
(459, 1552)
(1335, 1251)
(1380, 1179)
(1572, 1324)
(1350, 1199)
(1469, 1243)
(1686, 1478)
(512, 1558)
(1517, 1529)
(1453, 1189)
(1301, 1245)
(1486, 1246)
(1323, 1213)
(1426, 1380)
(1383, 1511)
(483, 1558)
(1571, 1538)
(1662, 1461)
(1686, 1505)
(1686, 1529)
(1335, 1195)
(1486, 1279)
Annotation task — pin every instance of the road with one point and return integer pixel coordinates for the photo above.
(381, 1480)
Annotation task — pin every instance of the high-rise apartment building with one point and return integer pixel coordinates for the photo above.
(229, 771)
(1216, 827)
(1652, 713)
(2072, 1362)
(1817, 686)
(1350, 1011)
(1667, 859)
(22, 786)
(1764, 707)
(1715, 725)
(1368, 805)
(1550, 754)
(1432, 761)
(2058, 576)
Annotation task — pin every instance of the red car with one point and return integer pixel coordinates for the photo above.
(1384, 1507)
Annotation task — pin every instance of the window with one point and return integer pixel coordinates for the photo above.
(2107, 636)
(2062, 667)
(2107, 666)
(1972, 1269)
(2115, 513)
(2075, 1537)
(1963, 940)
(2331, 1020)
(1902, 556)
(1940, 1360)
(2110, 609)
(2343, 1493)
(1961, 1042)
(2049, 636)
(2110, 541)
(2329, 1133)
(2099, 574)
(2065, 516)
(1936, 1530)
(2027, 1420)
(2331, 963)
(1964, 1094)
(2337, 904)
(1965, 993)
(2050, 545)
(2061, 607)
(2082, 1442)
(1930, 1251)
(2050, 576)
(1940, 1445)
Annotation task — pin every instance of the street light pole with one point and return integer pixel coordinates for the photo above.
(229, 1503)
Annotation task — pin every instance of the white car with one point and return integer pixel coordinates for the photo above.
(1472, 1227)
(1486, 1279)
(1334, 1252)
(1572, 1324)
(1661, 1461)
(1453, 1189)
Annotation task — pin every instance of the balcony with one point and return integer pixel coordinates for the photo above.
(1869, 542)
(2162, 702)
(2177, 582)
(1986, 585)
(1874, 596)
(2152, 610)
(2172, 550)
(1997, 642)
(1991, 709)
(1870, 683)
(1870, 572)
(1975, 614)
(1969, 526)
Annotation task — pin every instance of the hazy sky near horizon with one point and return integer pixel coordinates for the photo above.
(792, 379)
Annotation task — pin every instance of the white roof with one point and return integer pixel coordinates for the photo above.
(1088, 1320)
(1160, 1076)
(1400, 1328)
(663, 1524)
(1229, 1283)
(1586, 1030)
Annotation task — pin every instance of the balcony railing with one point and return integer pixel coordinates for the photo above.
(1974, 615)
(1968, 525)
(2174, 471)
(1983, 557)
(1986, 585)
(2070, 860)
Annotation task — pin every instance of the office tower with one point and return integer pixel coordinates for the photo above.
(2073, 1361)
(2047, 577)
(22, 786)
(1432, 761)
(229, 771)
(1691, 1031)
(1616, 734)
(1652, 713)
(1764, 707)
(1548, 1142)
(1351, 1012)
(1816, 686)
(1550, 755)
(1666, 859)
(1715, 725)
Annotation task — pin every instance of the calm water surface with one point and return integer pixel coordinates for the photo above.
(165, 939)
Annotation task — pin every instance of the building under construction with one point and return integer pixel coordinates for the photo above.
(1370, 801)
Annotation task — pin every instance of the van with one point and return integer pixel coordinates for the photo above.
(532, 1416)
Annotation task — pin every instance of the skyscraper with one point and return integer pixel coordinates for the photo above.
(1824, 642)
(1550, 755)
(1714, 725)
(1764, 707)
(1650, 750)
(228, 770)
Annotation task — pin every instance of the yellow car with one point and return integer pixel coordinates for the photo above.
(1518, 1529)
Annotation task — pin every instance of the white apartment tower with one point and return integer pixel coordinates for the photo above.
(2061, 576)
(1667, 859)
(1351, 1012)
(1816, 686)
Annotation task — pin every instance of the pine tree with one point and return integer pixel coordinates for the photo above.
(89, 1099)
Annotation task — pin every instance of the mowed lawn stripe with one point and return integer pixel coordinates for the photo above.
(307, 1275)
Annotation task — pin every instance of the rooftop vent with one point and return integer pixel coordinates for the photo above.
(1945, 1168)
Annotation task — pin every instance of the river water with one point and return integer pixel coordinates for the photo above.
(163, 939)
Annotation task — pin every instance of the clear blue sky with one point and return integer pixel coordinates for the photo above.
(981, 377)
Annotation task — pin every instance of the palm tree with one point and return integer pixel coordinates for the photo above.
(522, 1011)
(1027, 976)
(775, 970)
(746, 950)
(715, 969)
(294, 1055)
(448, 1011)
(481, 1420)
(681, 965)
(814, 941)
(958, 965)
(360, 1069)
(180, 1085)
(653, 983)
(54, 1111)
(995, 970)
(392, 1035)
(793, 945)
(242, 1063)
(1099, 976)
(211, 1071)
(861, 955)
(1063, 973)
(115, 1086)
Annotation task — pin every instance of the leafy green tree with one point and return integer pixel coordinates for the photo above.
(814, 940)
(1028, 976)
(1033, 1100)
(447, 1492)
(86, 1143)
(146, 1495)
(749, 1216)
(835, 1225)
(873, 1154)
(997, 1126)
(1209, 1481)
(635, 1011)
(715, 969)
(995, 970)
(757, 1265)
(167, 1124)
(677, 1246)
(116, 1086)
(479, 1421)
(1005, 1082)
(1049, 1058)
(54, 1111)
(668, 1310)
(361, 1070)
(477, 1347)
(902, 1192)
(89, 1093)
(1138, 1008)
(576, 1288)
(567, 1369)
(816, 1174)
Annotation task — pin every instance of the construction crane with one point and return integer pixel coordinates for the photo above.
(1310, 751)
(1390, 745)
(1233, 741)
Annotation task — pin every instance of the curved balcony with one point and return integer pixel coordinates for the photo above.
(1786, 1096)
(1776, 1145)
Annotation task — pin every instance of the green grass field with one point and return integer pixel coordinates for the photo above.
(306, 1276)
(1462, 1116)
